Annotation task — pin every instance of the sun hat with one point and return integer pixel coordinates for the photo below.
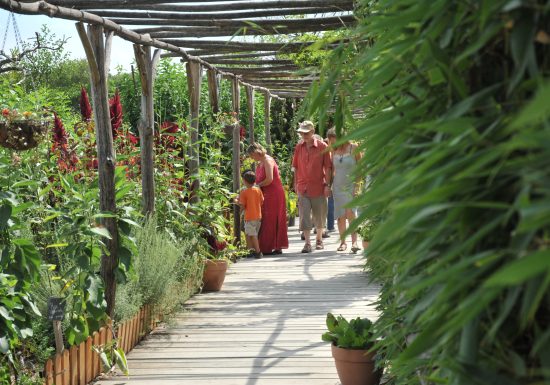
(306, 126)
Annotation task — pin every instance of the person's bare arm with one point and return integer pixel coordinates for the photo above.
(268, 166)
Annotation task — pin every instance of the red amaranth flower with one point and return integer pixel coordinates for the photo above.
(59, 134)
(242, 132)
(115, 109)
(85, 107)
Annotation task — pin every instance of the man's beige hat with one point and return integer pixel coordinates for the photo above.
(306, 126)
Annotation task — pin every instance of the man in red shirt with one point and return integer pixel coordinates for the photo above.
(312, 165)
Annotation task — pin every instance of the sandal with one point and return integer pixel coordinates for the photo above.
(319, 245)
(307, 248)
(355, 249)
(342, 247)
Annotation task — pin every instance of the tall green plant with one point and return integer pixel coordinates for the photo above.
(455, 126)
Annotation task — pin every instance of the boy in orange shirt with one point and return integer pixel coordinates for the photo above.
(251, 199)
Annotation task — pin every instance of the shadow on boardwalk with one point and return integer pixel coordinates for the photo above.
(263, 328)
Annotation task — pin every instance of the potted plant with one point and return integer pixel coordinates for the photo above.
(352, 344)
(366, 231)
(216, 262)
(291, 206)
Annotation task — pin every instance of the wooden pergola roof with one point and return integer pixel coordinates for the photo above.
(180, 28)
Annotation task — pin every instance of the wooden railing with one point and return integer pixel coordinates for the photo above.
(80, 364)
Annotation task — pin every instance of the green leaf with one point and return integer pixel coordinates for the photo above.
(521, 270)
(102, 231)
(5, 214)
(4, 345)
(536, 111)
(120, 358)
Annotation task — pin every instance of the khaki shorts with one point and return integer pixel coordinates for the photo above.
(251, 228)
(312, 207)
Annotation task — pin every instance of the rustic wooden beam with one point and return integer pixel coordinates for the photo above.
(219, 21)
(213, 31)
(250, 62)
(275, 82)
(259, 75)
(143, 16)
(95, 53)
(250, 103)
(236, 159)
(101, 3)
(239, 70)
(210, 31)
(44, 8)
(147, 66)
(333, 5)
(194, 73)
(267, 123)
(287, 95)
(214, 54)
(214, 90)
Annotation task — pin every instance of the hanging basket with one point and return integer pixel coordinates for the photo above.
(22, 135)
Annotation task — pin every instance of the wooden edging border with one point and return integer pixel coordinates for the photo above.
(79, 364)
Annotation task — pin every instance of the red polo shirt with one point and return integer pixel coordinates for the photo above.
(311, 165)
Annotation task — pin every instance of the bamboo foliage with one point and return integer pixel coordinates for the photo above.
(455, 128)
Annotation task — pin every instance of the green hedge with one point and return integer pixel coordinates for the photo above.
(454, 119)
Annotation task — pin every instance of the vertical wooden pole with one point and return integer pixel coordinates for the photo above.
(89, 360)
(58, 369)
(147, 69)
(194, 85)
(250, 102)
(236, 159)
(66, 368)
(82, 363)
(98, 56)
(214, 90)
(58, 335)
(73, 357)
(267, 122)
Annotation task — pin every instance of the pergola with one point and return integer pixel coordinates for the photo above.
(173, 26)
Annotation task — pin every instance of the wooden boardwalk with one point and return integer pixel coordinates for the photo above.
(263, 328)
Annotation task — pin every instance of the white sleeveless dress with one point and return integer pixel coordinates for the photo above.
(342, 186)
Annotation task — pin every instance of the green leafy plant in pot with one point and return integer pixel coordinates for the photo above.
(352, 342)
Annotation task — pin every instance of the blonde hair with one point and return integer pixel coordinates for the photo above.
(256, 148)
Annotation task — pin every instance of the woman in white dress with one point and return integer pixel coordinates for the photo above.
(344, 187)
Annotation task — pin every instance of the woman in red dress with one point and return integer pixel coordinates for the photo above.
(273, 235)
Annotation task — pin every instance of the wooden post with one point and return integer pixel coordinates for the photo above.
(236, 159)
(214, 90)
(98, 53)
(147, 66)
(267, 122)
(58, 335)
(250, 102)
(194, 85)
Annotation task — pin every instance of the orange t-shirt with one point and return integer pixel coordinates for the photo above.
(251, 199)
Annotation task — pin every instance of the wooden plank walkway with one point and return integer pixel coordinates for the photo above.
(263, 328)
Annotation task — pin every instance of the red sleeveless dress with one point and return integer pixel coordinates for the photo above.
(273, 232)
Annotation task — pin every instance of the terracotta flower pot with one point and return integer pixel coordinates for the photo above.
(214, 275)
(355, 366)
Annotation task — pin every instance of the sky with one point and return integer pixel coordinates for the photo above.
(122, 53)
